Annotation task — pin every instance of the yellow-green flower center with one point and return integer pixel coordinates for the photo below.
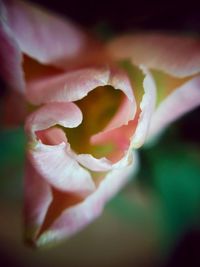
(98, 108)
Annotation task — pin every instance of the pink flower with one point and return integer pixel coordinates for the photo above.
(94, 105)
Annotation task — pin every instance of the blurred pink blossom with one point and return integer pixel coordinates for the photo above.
(92, 106)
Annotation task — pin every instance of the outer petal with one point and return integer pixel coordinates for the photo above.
(78, 216)
(147, 108)
(180, 101)
(10, 55)
(37, 200)
(60, 169)
(43, 36)
(175, 55)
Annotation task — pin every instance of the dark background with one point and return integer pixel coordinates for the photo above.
(123, 15)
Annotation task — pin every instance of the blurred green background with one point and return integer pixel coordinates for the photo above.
(144, 225)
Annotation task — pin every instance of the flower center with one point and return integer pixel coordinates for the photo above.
(98, 108)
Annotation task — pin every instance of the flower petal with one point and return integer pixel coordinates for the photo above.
(175, 55)
(52, 136)
(65, 114)
(70, 86)
(60, 169)
(75, 85)
(94, 164)
(125, 114)
(10, 55)
(180, 101)
(56, 163)
(78, 216)
(126, 111)
(103, 164)
(147, 108)
(37, 200)
(119, 139)
(44, 36)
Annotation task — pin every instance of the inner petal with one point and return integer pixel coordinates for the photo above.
(51, 136)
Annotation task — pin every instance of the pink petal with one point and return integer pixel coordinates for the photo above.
(56, 163)
(75, 85)
(52, 136)
(120, 80)
(175, 55)
(42, 35)
(69, 86)
(125, 114)
(60, 169)
(10, 55)
(37, 200)
(147, 108)
(94, 164)
(180, 101)
(65, 114)
(120, 140)
(78, 216)
(103, 164)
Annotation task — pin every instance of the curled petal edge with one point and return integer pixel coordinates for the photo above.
(147, 107)
(56, 163)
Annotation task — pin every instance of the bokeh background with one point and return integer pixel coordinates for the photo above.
(155, 219)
